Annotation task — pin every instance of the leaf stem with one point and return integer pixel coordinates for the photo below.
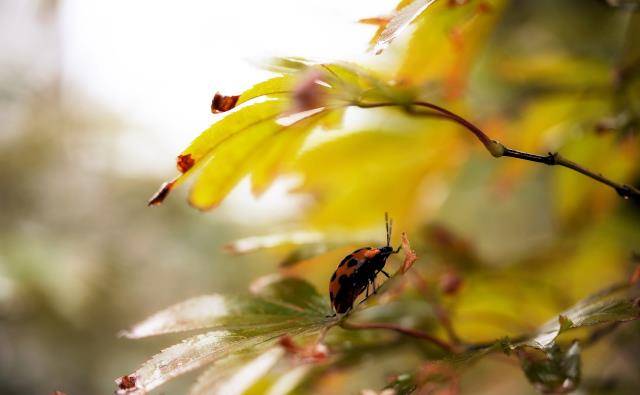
(497, 149)
(400, 329)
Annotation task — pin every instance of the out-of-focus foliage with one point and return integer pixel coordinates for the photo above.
(506, 244)
(509, 249)
(553, 370)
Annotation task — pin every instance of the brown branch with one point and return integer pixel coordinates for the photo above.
(400, 329)
(497, 149)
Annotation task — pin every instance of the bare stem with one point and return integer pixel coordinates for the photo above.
(400, 329)
(498, 150)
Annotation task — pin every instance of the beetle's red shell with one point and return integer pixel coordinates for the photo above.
(345, 284)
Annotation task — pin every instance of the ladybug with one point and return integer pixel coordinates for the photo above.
(357, 271)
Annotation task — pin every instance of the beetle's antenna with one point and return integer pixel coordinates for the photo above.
(388, 224)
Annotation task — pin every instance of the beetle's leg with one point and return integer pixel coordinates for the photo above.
(398, 250)
(366, 296)
(385, 273)
(373, 282)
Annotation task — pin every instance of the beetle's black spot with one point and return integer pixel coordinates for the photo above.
(346, 258)
(333, 277)
(352, 262)
(343, 279)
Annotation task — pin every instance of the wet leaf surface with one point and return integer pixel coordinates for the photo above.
(279, 306)
(552, 371)
(617, 303)
(236, 375)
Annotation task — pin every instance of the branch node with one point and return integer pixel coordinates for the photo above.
(495, 148)
(628, 192)
(552, 158)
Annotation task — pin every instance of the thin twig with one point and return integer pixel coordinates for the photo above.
(400, 329)
(498, 150)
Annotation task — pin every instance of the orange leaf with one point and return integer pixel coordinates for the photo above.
(410, 256)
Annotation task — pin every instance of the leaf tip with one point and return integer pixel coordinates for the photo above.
(185, 162)
(380, 21)
(204, 206)
(222, 103)
(410, 256)
(565, 323)
(127, 384)
(161, 194)
(259, 284)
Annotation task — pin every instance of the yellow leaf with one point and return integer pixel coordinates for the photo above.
(333, 119)
(369, 172)
(445, 42)
(406, 13)
(282, 148)
(254, 149)
(275, 86)
(553, 69)
(228, 165)
(237, 121)
(194, 158)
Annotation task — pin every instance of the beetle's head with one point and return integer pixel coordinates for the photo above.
(388, 250)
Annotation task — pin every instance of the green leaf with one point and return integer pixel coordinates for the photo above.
(294, 292)
(198, 351)
(276, 299)
(220, 312)
(279, 306)
(236, 374)
(552, 371)
(617, 303)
